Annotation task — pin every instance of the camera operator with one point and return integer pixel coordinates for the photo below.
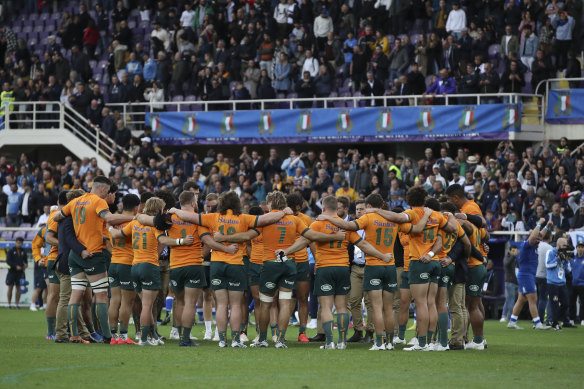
(577, 264)
(557, 263)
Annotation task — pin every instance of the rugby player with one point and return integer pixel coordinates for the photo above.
(333, 282)
(90, 212)
(187, 273)
(528, 261)
(120, 276)
(37, 244)
(380, 278)
(255, 251)
(54, 284)
(278, 273)
(228, 278)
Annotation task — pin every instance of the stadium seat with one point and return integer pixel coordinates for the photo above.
(178, 98)
(339, 104)
(30, 235)
(6, 235)
(190, 98)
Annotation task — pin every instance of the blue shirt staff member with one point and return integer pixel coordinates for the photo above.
(557, 263)
(577, 281)
(526, 276)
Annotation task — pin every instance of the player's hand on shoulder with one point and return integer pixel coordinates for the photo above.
(172, 211)
(218, 236)
(322, 217)
(428, 211)
(460, 216)
(288, 211)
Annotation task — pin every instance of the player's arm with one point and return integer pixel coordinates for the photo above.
(536, 232)
(213, 245)
(115, 234)
(187, 216)
(436, 247)
(238, 237)
(115, 219)
(466, 245)
(300, 243)
(317, 236)
(272, 217)
(344, 224)
(36, 245)
(419, 226)
(51, 238)
(477, 220)
(450, 225)
(389, 215)
(171, 242)
(367, 248)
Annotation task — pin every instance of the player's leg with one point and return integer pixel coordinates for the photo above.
(342, 316)
(127, 300)
(235, 298)
(9, 294)
(420, 295)
(208, 300)
(326, 315)
(388, 317)
(442, 309)
(376, 298)
(190, 297)
(244, 316)
(274, 313)
(146, 317)
(432, 312)
(179, 308)
(17, 297)
(521, 300)
(86, 311)
(79, 284)
(285, 301)
(405, 298)
(532, 301)
(302, 293)
(114, 309)
(52, 302)
(476, 319)
(99, 284)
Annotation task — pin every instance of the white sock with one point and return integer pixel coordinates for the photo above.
(216, 331)
(514, 318)
(174, 329)
(208, 326)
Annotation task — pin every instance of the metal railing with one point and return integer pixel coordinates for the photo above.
(549, 86)
(39, 116)
(135, 111)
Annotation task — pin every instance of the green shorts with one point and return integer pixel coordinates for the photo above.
(278, 274)
(226, 276)
(302, 271)
(120, 275)
(192, 276)
(405, 280)
(446, 276)
(253, 274)
(90, 266)
(332, 280)
(380, 277)
(423, 273)
(145, 276)
(52, 276)
(475, 280)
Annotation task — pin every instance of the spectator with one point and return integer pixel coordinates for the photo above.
(509, 42)
(281, 74)
(444, 85)
(398, 61)
(528, 47)
(323, 24)
(357, 68)
(373, 87)
(468, 84)
(310, 65)
(322, 83)
(511, 288)
(123, 135)
(564, 25)
(380, 64)
(305, 89)
(489, 83)
(512, 80)
(456, 20)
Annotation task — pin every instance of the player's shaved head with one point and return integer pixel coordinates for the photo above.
(130, 202)
(330, 203)
(186, 198)
(448, 207)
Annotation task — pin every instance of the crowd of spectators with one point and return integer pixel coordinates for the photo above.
(215, 50)
(514, 187)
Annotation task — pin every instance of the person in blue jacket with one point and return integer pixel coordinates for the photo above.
(577, 264)
(557, 263)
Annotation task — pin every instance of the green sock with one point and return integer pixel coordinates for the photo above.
(223, 336)
(123, 330)
(328, 331)
(477, 339)
(430, 336)
(281, 335)
(94, 317)
(401, 331)
(179, 329)
(72, 315)
(90, 327)
(51, 323)
(103, 318)
(379, 340)
(301, 330)
(235, 336)
(443, 329)
(145, 333)
(263, 335)
(273, 328)
(343, 325)
(153, 333)
(389, 337)
(186, 334)
(422, 340)
(243, 328)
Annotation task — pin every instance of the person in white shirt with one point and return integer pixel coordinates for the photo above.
(323, 24)
(187, 17)
(456, 21)
(311, 64)
(281, 17)
(161, 34)
(44, 218)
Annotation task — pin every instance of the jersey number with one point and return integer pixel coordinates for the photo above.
(136, 240)
(230, 230)
(387, 236)
(339, 244)
(118, 242)
(79, 215)
(429, 235)
(448, 241)
(282, 234)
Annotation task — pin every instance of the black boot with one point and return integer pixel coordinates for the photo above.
(357, 336)
(317, 338)
(368, 337)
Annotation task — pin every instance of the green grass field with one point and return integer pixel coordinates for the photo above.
(520, 358)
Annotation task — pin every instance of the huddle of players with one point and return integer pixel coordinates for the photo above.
(283, 232)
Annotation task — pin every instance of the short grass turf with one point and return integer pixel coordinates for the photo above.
(514, 358)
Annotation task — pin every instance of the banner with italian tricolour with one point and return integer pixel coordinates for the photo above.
(468, 116)
(426, 118)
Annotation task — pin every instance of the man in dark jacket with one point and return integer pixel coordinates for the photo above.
(373, 87)
(416, 79)
(512, 79)
(305, 89)
(489, 83)
(468, 84)
(16, 259)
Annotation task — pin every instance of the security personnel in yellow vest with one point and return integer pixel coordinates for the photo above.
(563, 145)
(6, 99)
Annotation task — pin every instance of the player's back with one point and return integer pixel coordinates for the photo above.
(52, 226)
(471, 208)
(422, 243)
(475, 240)
(448, 240)
(89, 227)
(122, 251)
(229, 224)
(302, 255)
(186, 255)
(144, 242)
(333, 253)
(380, 233)
(281, 234)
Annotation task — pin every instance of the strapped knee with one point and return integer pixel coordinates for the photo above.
(285, 295)
(78, 283)
(100, 286)
(265, 298)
